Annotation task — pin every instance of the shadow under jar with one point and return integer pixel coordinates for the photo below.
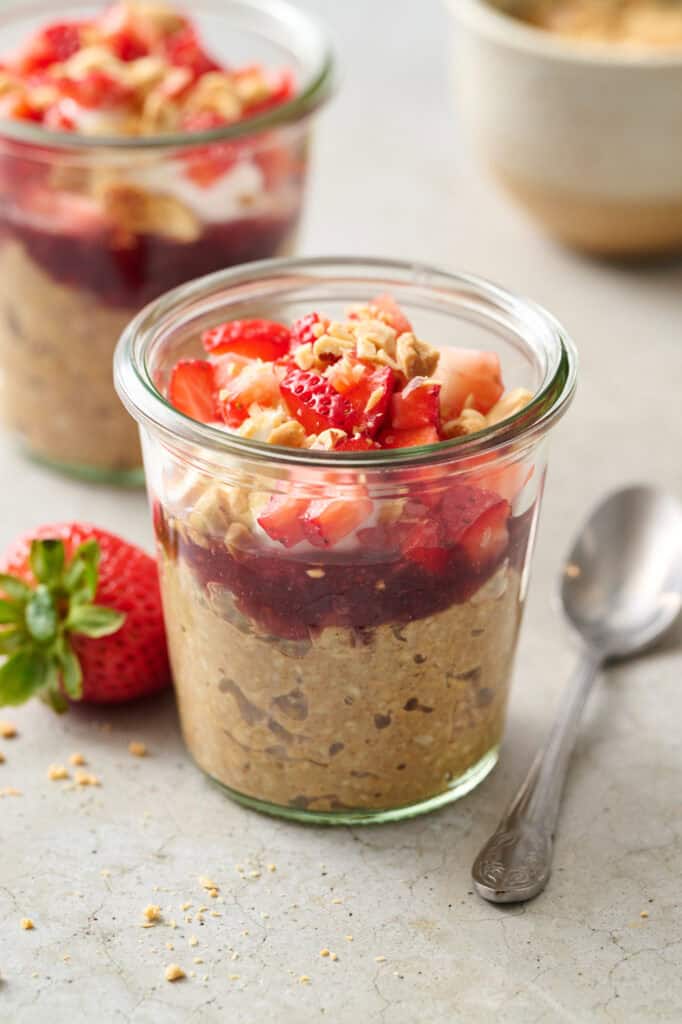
(350, 683)
(92, 228)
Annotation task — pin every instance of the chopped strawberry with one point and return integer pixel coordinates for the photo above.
(57, 118)
(127, 45)
(368, 389)
(52, 45)
(356, 444)
(476, 521)
(415, 438)
(282, 519)
(465, 372)
(206, 164)
(66, 213)
(95, 90)
(417, 405)
(60, 645)
(192, 390)
(184, 50)
(423, 543)
(302, 329)
(313, 401)
(394, 314)
(257, 339)
(240, 383)
(282, 88)
(328, 521)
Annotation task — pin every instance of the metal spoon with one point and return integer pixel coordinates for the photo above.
(621, 588)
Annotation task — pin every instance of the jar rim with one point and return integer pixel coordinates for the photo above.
(314, 89)
(149, 406)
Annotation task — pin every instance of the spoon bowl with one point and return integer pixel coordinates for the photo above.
(622, 582)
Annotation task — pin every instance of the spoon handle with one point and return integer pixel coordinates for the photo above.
(515, 863)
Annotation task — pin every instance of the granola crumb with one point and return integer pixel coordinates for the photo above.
(233, 977)
(8, 730)
(86, 779)
(337, 900)
(324, 952)
(348, 938)
(56, 772)
(152, 912)
(644, 913)
(379, 959)
(174, 972)
(186, 905)
(315, 574)
(193, 940)
(254, 874)
(216, 913)
(173, 923)
(2, 757)
(272, 867)
(170, 946)
(137, 749)
(210, 886)
(304, 980)
(235, 956)
(77, 759)
(333, 956)
(10, 791)
(105, 873)
(27, 924)
(66, 957)
(198, 960)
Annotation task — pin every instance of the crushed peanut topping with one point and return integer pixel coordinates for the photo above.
(137, 749)
(174, 973)
(57, 772)
(8, 730)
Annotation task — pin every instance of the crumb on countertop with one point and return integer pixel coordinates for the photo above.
(193, 940)
(86, 779)
(56, 772)
(137, 749)
(644, 913)
(8, 730)
(152, 912)
(10, 791)
(77, 759)
(174, 972)
(27, 924)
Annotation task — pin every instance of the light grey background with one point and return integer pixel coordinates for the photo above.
(392, 176)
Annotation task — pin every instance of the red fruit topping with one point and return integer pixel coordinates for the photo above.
(207, 164)
(192, 390)
(256, 339)
(184, 50)
(302, 329)
(356, 444)
(95, 90)
(127, 45)
(239, 383)
(371, 399)
(67, 646)
(476, 521)
(394, 314)
(53, 44)
(415, 438)
(313, 401)
(417, 405)
(464, 372)
(282, 520)
(326, 522)
(423, 543)
(282, 88)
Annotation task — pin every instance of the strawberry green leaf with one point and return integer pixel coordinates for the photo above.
(80, 578)
(94, 620)
(41, 615)
(14, 588)
(22, 675)
(72, 676)
(11, 611)
(47, 560)
(55, 699)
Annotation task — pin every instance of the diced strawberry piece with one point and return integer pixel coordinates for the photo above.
(183, 49)
(206, 164)
(66, 213)
(464, 372)
(302, 329)
(282, 88)
(191, 389)
(313, 401)
(20, 109)
(257, 339)
(476, 521)
(356, 444)
(241, 382)
(417, 405)
(415, 438)
(127, 45)
(57, 119)
(423, 543)
(52, 45)
(282, 519)
(394, 314)
(368, 389)
(278, 163)
(95, 90)
(327, 522)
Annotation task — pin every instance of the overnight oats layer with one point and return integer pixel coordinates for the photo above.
(342, 637)
(133, 158)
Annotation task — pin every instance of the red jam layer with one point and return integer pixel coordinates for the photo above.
(276, 593)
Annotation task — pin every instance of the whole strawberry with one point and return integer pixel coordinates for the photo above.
(59, 644)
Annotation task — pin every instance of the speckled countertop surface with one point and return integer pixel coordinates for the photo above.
(83, 863)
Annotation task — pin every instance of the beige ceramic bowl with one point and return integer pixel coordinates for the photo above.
(588, 137)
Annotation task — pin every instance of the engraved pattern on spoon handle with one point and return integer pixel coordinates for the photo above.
(516, 861)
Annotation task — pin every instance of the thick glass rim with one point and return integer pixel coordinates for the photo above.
(313, 91)
(134, 384)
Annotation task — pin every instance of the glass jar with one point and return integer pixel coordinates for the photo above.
(93, 228)
(367, 681)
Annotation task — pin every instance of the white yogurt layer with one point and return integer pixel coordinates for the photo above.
(239, 191)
